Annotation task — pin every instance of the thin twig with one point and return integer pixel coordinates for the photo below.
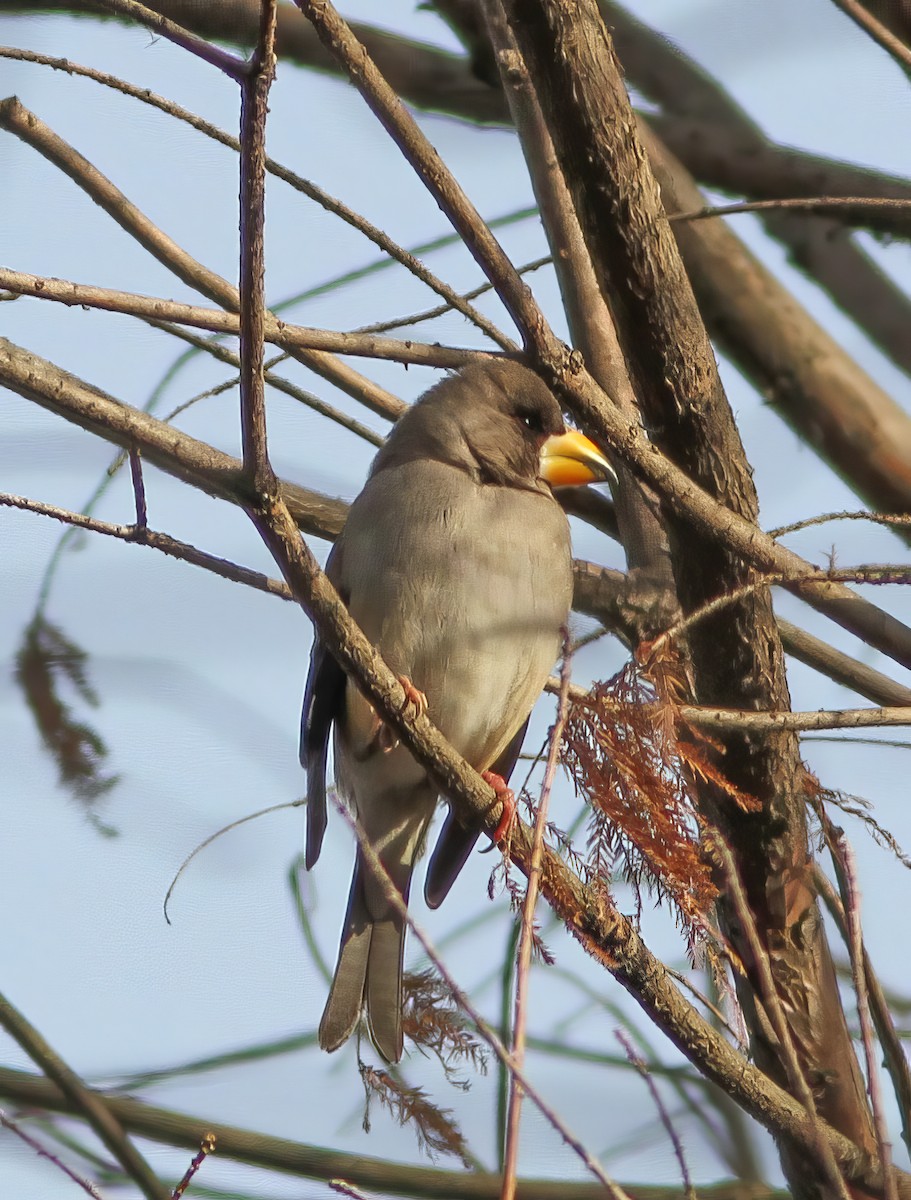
(143, 536)
(889, 743)
(641, 1066)
(139, 491)
(527, 931)
(841, 848)
(346, 1189)
(213, 837)
(42, 1151)
(430, 314)
(824, 518)
(723, 1022)
(88, 1103)
(280, 333)
(207, 1147)
(879, 574)
(226, 355)
(880, 34)
(235, 68)
(848, 205)
(893, 1050)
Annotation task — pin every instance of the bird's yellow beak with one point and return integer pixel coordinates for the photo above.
(569, 459)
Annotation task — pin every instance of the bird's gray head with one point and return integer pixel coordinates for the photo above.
(490, 419)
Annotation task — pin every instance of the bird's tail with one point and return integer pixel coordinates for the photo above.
(369, 969)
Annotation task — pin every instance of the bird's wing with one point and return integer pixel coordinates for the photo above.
(324, 699)
(456, 842)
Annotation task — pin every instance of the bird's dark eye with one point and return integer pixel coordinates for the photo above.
(531, 419)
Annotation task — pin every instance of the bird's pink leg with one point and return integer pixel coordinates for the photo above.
(387, 739)
(507, 798)
(414, 697)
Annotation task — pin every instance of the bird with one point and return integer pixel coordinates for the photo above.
(455, 561)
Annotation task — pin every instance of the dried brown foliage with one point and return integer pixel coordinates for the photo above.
(627, 761)
(46, 663)
(433, 1021)
(435, 1127)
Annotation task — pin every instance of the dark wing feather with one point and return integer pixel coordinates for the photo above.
(324, 701)
(455, 842)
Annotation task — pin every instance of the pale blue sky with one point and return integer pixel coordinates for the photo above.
(201, 681)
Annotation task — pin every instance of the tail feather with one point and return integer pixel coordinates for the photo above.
(346, 996)
(384, 987)
(369, 969)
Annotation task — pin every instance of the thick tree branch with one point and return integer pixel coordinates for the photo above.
(737, 659)
(313, 1162)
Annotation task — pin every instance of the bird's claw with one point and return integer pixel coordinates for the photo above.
(414, 697)
(415, 700)
(507, 798)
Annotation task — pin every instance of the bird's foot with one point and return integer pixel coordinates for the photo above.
(415, 701)
(507, 798)
(414, 697)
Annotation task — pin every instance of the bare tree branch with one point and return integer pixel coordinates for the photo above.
(254, 107)
(861, 15)
(278, 332)
(527, 932)
(736, 656)
(234, 68)
(313, 1162)
(87, 1103)
(590, 322)
(705, 127)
